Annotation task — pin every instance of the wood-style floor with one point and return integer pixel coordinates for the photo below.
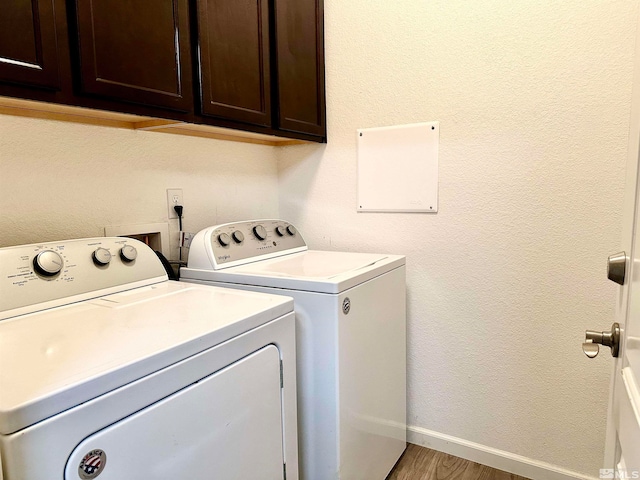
(419, 463)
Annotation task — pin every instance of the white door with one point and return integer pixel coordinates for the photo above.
(622, 455)
(625, 399)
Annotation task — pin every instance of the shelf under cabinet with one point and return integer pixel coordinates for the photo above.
(87, 116)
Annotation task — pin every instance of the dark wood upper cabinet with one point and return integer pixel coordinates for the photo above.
(136, 51)
(299, 38)
(28, 43)
(233, 42)
(250, 65)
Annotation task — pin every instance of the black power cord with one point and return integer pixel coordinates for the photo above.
(178, 209)
(171, 273)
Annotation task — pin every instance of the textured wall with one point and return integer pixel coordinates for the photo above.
(60, 180)
(533, 99)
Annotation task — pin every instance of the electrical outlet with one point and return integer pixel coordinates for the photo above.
(174, 197)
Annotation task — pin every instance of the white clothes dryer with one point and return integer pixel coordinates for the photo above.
(351, 339)
(108, 370)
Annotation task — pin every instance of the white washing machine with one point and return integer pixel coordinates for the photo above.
(110, 371)
(351, 339)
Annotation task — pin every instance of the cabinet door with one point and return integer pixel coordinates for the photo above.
(233, 37)
(28, 43)
(136, 51)
(299, 34)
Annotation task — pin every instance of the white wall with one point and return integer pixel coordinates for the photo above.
(61, 180)
(533, 99)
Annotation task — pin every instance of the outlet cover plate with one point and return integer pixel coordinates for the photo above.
(174, 197)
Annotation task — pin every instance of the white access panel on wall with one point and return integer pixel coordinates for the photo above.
(398, 168)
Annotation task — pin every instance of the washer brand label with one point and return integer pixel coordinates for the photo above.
(224, 257)
(92, 464)
(346, 305)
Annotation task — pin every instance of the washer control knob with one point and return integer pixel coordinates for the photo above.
(237, 236)
(101, 257)
(291, 230)
(48, 263)
(128, 253)
(260, 232)
(280, 230)
(224, 239)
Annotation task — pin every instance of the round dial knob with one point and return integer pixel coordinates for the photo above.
(280, 231)
(237, 236)
(101, 257)
(291, 230)
(48, 263)
(224, 239)
(260, 232)
(128, 253)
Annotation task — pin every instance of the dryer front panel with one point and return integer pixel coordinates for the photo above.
(227, 425)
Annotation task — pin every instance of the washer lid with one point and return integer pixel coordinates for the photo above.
(312, 271)
(56, 359)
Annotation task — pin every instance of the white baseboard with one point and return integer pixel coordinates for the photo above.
(492, 457)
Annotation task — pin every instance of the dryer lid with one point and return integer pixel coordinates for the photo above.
(55, 359)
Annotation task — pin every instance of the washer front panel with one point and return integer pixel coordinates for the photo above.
(351, 377)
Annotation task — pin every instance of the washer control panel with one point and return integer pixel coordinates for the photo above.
(241, 242)
(38, 273)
